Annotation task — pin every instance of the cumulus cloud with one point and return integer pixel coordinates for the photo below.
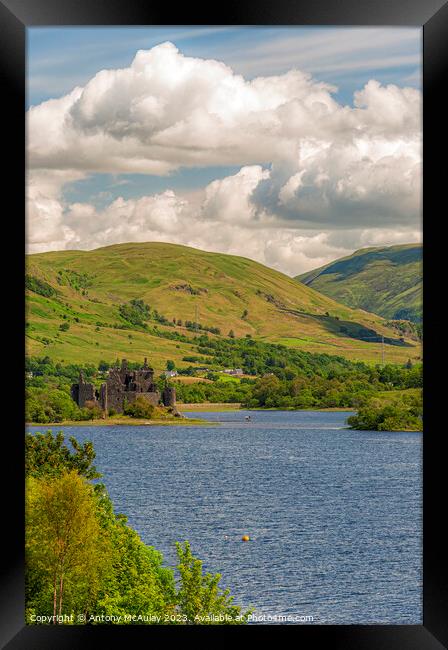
(167, 110)
(230, 199)
(309, 167)
(209, 223)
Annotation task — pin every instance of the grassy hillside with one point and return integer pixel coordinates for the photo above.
(74, 298)
(385, 281)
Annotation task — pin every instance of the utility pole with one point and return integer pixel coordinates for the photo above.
(382, 349)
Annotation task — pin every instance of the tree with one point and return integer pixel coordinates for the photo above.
(39, 286)
(170, 365)
(232, 334)
(199, 597)
(399, 414)
(46, 454)
(64, 540)
(83, 558)
(266, 388)
(135, 312)
(49, 405)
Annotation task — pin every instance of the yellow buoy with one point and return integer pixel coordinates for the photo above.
(245, 538)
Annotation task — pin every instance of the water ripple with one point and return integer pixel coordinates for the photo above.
(334, 515)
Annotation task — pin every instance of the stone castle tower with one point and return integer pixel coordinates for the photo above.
(122, 385)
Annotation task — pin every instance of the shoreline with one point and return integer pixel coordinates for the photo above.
(203, 407)
(184, 421)
(236, 406)
(113, 422)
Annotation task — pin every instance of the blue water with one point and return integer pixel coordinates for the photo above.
(334, 515)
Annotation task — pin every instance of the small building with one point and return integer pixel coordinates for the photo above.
(233, 371)
(169, 373)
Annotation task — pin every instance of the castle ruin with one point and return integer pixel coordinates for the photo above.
(122, 386)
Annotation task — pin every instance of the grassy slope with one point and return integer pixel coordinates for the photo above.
(380, 280)
(227, 286)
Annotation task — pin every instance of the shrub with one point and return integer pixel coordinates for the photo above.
(39, 286)
(94, 409)
(49, 405)
(140, 408)
(135, 312)
(400, 414)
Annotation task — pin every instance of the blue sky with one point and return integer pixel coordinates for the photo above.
(59, 59)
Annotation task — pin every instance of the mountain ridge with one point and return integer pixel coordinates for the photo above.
(386, 280)
(75, 306)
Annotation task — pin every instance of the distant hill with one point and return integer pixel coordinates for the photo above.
(79, 307)
(386, 281)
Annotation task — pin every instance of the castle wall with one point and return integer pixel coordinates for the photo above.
(169, 396)
(122, 385)
(104, 401)
(152, 397)
(115, 400)
(74, 392)
(86, 393)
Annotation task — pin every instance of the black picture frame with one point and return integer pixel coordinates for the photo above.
(15, 17)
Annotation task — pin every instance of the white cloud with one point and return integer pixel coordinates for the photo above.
(229, 200)
(310, 167)
(208, 221)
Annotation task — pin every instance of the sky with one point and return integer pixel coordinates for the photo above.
(289, 145)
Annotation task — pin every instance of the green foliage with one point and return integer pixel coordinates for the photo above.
(135, 312)
(46, 454)
(195, 327)
(61, 374)
(385, 281)
(170, 365)
(199, 598)
(66, 553)
(400, 414)
(218, 391)
(39, 286)
(406, 327)
(139, 408)
(76, 280)
(259, 358)
(83, 559)
(279, 308)
(137, 588)
(64, 327)
(50, 405)
(286, 379)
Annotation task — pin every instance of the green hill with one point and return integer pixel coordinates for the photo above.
(386, 281)
(79, 307)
